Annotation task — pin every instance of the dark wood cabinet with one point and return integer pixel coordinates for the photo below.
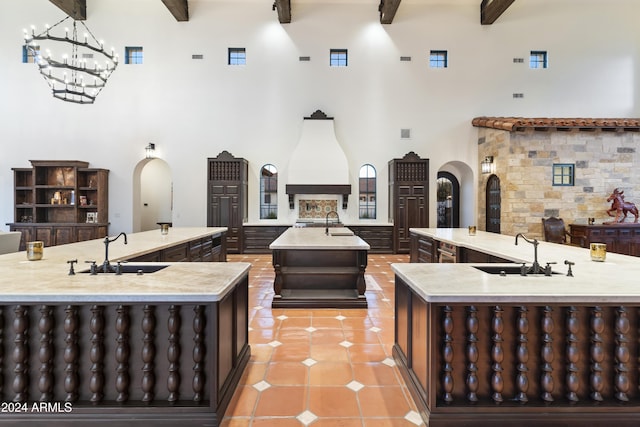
(60, 201)
(408, 198)
(205, 249)
(423, 249)
(428, 249)
(227, 197)
(257, 238)
(620, 238)
(379, 237)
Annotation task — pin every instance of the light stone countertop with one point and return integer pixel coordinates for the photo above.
(315, 238)
(47, 280)
(617, 280)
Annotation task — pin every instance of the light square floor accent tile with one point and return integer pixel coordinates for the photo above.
(309, 362)
(261, 386)
(321, 367)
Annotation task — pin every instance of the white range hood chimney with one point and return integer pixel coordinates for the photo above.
(318, 165)
(318, 158)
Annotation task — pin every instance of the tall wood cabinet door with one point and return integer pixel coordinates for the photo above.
(410, 215)
(227, 197)
(408, 198)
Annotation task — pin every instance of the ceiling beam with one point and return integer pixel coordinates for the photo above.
(178, 8)
(77, 9)
(284, 10)
(490, 10)
(388, 9)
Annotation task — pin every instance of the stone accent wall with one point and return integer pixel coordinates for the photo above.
(523, 161)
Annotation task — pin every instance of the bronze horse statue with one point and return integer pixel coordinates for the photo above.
(621, 207)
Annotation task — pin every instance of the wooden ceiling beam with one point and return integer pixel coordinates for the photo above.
(490, 10)
(284, 10)
(178, 8)
(388, 9)
(76, 9)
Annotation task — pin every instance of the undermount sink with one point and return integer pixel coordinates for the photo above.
(507, 270)
(338, 232)
(131, 268)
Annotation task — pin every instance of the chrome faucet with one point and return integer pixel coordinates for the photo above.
(535, 267)
(106, 266)
(326, 219)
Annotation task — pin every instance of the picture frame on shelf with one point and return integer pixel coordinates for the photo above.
(83, 200)
(92, 217)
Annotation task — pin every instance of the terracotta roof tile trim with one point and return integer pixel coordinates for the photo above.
(513, 124)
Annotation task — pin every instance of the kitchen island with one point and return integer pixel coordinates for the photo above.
(160, 348)
(484, 349)
(314, 269)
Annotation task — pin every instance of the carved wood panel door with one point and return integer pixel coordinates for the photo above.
(493, 204)
(227, 197)
(408, 198)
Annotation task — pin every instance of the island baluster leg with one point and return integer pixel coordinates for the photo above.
(148, 353)
(472, 354)
(621, 381)
(447, 355)
(597, 354)
(70, 355)
(522, 355)
(96, 355)
(173, 353)
(546, 382)
(497, 355)
(21, 354)
(199, 353)
(573, 354)
(122, 353)
(45, 355)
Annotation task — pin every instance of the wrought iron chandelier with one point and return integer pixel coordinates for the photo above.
(82, 72)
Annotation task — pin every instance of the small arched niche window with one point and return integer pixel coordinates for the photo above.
(268, 192)
(367, 185)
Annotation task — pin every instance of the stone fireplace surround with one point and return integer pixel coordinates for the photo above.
(604, 152)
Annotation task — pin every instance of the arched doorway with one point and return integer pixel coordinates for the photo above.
(493, 202)
(448, 197)
(152, 194)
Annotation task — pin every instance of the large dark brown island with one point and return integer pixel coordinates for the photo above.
(162, 348)
(487, 349)
(319, 269)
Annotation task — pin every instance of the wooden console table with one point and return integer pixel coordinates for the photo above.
(623, 238)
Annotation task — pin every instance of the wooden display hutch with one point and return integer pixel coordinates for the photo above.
(60, 201)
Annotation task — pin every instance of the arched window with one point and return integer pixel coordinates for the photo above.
(268, 192)
(367, 184)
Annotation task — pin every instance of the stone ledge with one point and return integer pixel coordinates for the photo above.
(515, 124)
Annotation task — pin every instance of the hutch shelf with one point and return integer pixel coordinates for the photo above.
(60, 201)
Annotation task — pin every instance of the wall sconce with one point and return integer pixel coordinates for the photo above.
(486, 166)
(151, 150)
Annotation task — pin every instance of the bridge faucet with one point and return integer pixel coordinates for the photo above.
(536, 267)
(106, 266)
(326, 219)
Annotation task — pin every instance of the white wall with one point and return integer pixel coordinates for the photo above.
(194, 109)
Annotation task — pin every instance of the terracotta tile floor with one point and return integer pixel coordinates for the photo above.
(322, 367)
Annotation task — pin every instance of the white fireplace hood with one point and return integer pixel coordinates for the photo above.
(318, 165)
